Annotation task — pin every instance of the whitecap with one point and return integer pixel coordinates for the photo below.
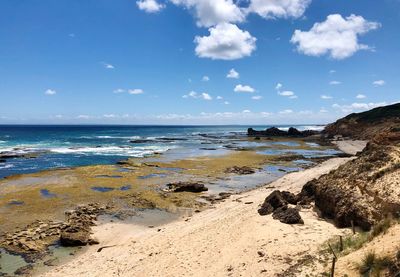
(6, 166)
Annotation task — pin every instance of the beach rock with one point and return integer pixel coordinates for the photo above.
(289, 197)
(187, 186)
(241, 170)
(272, 202)
(288, 215)
(75, 236)
(25, 270)
(275, 132)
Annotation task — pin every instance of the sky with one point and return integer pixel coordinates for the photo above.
(196, 61)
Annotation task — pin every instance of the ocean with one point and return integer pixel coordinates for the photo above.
(70, 146)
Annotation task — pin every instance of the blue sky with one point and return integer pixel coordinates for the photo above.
(166, 62)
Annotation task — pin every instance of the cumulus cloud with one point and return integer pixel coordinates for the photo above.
(226, 103)
(335, 83)
(195, 95)
(225, 42)
(212, 12)
(357, 106)
(361, 96)
(326, 97)
(256, 97)
(50, 92)
(286, 93)
(149, 6)
(270, 9)
(219, 97)
(244, 88)
(135, 91)
(379, 83)
(205, 79)
(233, 74)
(336, 36)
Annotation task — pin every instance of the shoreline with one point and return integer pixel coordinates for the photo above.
(252, 241)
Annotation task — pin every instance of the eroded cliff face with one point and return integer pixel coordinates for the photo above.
(366, 125)
(363, 190)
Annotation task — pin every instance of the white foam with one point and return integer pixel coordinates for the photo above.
(112, 150)
(6, 166)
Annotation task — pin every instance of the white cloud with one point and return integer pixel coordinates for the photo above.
(323, 110)
(244, 88)
(213, 12)
(278, 86)
(233, 74)
(195, 95)
(110, 116)
(219, 97)
(226, 103)
(135, 91)
(205, 96)
(225, 42)
(257, 97)
(50, 92)
(279, 8)
(107, 65)
(119, 90)
(246, 111)
(83, 116)
(332, 71)
(336, 36)
(361, 96)
(326, 97)
(149, 6)
(288, 111)
(335, 83)
(286, 93)
(205, 79)
(379, 83)
(357, 106)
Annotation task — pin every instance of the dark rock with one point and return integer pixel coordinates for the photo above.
(243, 170)
(25, 270)
(275, 132)
(224, 195)
(187, 186)
(289, 197)
(140, 141)
(272, 202)
(288, 215)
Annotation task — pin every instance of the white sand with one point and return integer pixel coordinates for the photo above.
(351, 146)
(221, 241)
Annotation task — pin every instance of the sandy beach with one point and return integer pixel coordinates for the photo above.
(229, 239)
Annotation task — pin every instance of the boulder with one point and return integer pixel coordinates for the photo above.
(241, 170)
(75, 236)
(272, 202)
(288, 215)
(187, 186)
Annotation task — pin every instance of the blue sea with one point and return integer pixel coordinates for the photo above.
(71, 146)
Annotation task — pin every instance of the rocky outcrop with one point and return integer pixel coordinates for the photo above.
(35, 238)
(187, 186)
(277, 203)
(366, 125)
(275, 132)
(363, 191)
(241, 170)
